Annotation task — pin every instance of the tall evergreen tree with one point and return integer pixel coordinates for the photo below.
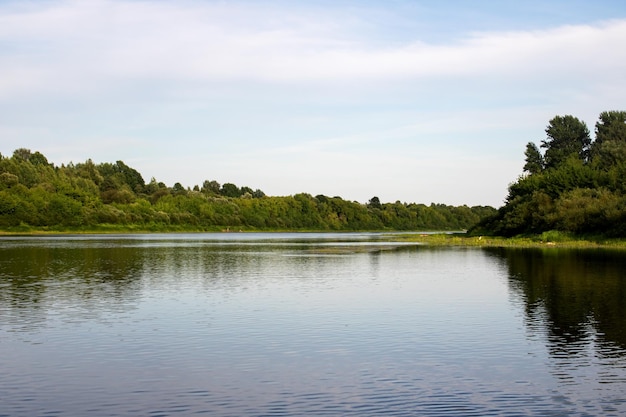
(534, 159)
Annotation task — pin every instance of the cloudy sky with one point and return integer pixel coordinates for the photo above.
(418, 101)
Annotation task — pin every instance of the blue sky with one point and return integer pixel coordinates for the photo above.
(417, 101)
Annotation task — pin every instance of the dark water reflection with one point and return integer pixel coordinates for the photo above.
(260, 325)
(578, 296)
(576, 299)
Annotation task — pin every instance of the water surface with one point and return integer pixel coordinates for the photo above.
(307, 324)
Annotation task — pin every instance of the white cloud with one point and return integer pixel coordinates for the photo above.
(73, 41)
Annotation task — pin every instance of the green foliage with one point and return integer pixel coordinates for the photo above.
(230, 190)
(118, 174)
(565, 136)
(8, 180)
(554, 236)
(580, 188)
(611, 126)
(88, 196)
(534, 159)
(210, 187)
(374, 203)
(609, 148)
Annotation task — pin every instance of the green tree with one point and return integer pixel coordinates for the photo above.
(38, 159)
(154, 186)
(119, 174)
(178, 189)
(131, 177)
(210, 187)
(258, 194)
(609, 148)
(611, 126)
(22, 154)
(374, 203)
(89, 170)
(230, 190)
(534, 159)
(565, 135)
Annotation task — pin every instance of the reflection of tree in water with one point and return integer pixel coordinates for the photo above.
(579, 295)
(76, 279)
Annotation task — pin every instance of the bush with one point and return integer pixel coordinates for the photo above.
(555, 236)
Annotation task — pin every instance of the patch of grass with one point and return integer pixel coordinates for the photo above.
(545, 240)
(556, 236)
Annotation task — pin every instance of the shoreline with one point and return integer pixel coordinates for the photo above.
(549, 240)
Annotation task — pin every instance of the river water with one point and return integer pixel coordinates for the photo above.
(307, 325)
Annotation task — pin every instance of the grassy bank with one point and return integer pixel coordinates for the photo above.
(545, 240)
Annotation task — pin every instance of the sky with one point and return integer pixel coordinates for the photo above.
(424, 101)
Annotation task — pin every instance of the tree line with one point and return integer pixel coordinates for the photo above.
(36, 194)
(570, 183)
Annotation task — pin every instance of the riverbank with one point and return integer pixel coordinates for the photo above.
(545, 240)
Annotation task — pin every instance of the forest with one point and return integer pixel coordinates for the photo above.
(570, 184)
(36, 195)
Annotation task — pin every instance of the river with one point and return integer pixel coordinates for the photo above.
(307, 325)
